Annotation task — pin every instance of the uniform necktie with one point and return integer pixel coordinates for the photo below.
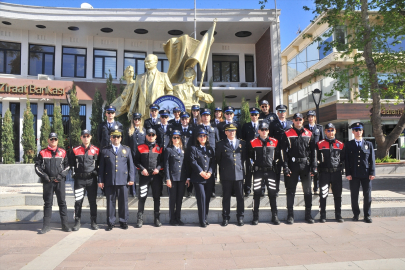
(184, 130)
(233, 146)
(178, 150)
(283, 124)
(153, 120)
(358, 144)
(109, 125)
(164, 128)
(116, 150)
(254, 126)
(204, 149)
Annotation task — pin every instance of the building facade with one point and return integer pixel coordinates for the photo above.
(45, 50)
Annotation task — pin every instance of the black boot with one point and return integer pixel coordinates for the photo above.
(308, 217)
(290, 216)
(157, 221)
(338, 217)
(139, 222)
(66, 228)
(274, 219)
(76, 227)
(322, 218)
(93, 225)
(45, 229)
(255, 220)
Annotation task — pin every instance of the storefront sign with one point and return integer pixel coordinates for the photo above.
(31, 90)
(391, 113)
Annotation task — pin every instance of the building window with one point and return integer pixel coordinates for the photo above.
(163, 62)
(34, 111)
(105, 62)
(66, 116)
(73, 62)
(312, 54)
(199, 74)
(49, 111)
(225, 68)
(323, 50)
(10, 58)
(82, 115)
(136, 60)
(42, 60)
(340, 36)
(249, 68)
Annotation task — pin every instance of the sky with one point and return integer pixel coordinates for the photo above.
(292, 15)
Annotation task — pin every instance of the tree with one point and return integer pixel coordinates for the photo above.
(75, 122)
(257, 102)
(45, 130)
(244, 112)
(96, 116)
(7, 139)
(375, 31)
(111, 90)
(28, 139)
(57, 124)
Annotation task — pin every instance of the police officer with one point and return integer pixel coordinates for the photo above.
(187, 140)
(176, 121)
(135, 135)
(203, 166)
(115, 173)
(319, 135)
(230, 155)
(105, 128)
(264, 151)
(229, 114)
(360, 170)
(250, 132)
(298, 150)
(195, 116)
(84, 160)
(164, 130)
(149, 161)
(52, 166)
(266, 114)
(330, 156)
(277, 130)
(218, 117)
(154, 120)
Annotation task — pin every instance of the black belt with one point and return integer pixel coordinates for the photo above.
(84, 175)
(263, 169)
(329, 169)
(294, 159)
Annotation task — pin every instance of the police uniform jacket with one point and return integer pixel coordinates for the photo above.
(330, 155)
(149, 156)
(174, 167)
(192, 124)
(103, 133)
(214, 123)
(84, 161)
(149, 123)
(268, 118)
(318, 132)
(54, 164)
(201, 161)
(221, 130)
(213, 135)
(264, 153)
(298, 146)
(175, 124)
(360, 161)
(249, 132)
(135, 139)
(187, 137)
(277, 131)
(163, 138)
(116, 169)
(231, 161)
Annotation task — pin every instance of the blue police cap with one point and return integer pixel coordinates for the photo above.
(136, 116)
(329, 125)
(164, 113)
(52, 135)
(218, 109)
(184, 115)
(359, 125)
(176, 132)
(205, 111)
(229, 109)
(311, 113)
(202, 131)
(281, 107)
(154, 106)
(263, 125)
(110, 108)
(176, 109)
(195, 107)
(254, 110)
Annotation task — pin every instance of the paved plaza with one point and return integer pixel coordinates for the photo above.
(350, 245)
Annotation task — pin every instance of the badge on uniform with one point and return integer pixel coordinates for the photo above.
(59, 153)
(240, 145)
(317, 130)
(212, 129)
(293, 159)
(191, 132)
(366, 147)
(158, 148)
(209, 151)
(271, 118)
(337, 144)
(306, 132)
(124, 151)
(92, 151)
(115, 127)
(271, 142)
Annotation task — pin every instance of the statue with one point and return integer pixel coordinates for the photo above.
(190, 94)
(123, 102)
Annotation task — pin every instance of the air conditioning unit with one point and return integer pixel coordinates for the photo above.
(243, 84)
(45, 77)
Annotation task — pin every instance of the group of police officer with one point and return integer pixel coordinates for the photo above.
(189, 153)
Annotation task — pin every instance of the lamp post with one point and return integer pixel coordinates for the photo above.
(317, 96)
(68, 98)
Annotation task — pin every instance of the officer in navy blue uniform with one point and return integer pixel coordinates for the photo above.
(229, 114)
(135, 135)
(176, 121)
(105, 128)
(360, 170)
(266, 114)
(250, 132)
(154, 120)
(116, 171)
(231, 156)
(203, 167)
(276, 131)
(319, 135)
(187, 140)
(217, 117)
(163, 132)
(195, 115)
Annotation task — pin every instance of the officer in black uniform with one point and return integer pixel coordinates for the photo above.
(84, 160)
(195, 116)
(105, 128)
(319, 135)
(250, 132)
(298, 155)
(52, 165)
(218, 117)
(135, 135)
(115, 173)
(176, 121)
(187, 140)
(330, 156)
(230, 155)
(266, 115)
(149, 161)
(264, 151)
(164, 130)
(277, 130)
(360, 170)
(154, 120)
(229, 114)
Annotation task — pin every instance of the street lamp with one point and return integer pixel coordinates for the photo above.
(317, 96)
(69, 99)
